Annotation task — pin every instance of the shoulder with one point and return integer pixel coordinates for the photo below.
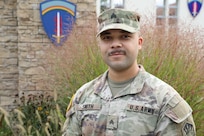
(151, 80)
(175, 107)
(88, 88)
(158, 86)
(178, 109)
(164, 93)
(81, 94)
(172, 104)
(156, 82)
(180, 112)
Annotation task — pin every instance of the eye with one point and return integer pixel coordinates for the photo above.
(106, 37)
(126, 36)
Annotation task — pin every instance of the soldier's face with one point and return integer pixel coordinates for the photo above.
(119, 48)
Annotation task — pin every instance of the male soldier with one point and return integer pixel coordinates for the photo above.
(126, 100)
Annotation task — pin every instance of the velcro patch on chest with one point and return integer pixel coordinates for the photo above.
(179, 109)
(142, 109)
(88, 106)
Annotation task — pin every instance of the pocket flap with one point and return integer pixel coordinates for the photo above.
(180, 110)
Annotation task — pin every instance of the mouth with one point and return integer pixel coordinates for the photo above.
(116, 52)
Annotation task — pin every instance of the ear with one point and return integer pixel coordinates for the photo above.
(140, 42)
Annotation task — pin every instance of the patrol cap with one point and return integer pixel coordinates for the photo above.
(118, 19)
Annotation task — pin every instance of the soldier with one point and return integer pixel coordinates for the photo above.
(126, 100)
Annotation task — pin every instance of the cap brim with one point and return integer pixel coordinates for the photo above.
(118, 26)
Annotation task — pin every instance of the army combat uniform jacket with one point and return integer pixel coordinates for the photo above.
(146, 107)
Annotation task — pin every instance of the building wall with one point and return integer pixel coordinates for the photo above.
(185, 16)
(22, 45)
(8, 52)
(144, 7)
(23, 41)
(147, 8)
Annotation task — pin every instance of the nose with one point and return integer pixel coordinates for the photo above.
(116, 44)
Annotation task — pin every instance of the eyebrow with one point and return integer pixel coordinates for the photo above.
(105, 32)
(123, 31)
(108, 32)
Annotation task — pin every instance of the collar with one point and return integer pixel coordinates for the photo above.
(102, 89)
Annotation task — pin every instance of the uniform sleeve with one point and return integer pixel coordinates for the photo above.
(72, 125)
(176, 119)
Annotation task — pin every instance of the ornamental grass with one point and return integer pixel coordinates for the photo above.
(175, 55)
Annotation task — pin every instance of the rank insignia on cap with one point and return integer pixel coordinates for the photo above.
(113, 16)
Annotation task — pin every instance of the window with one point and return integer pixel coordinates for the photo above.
(107, 4)
(173, 13)
(118, 3)
(166, 12)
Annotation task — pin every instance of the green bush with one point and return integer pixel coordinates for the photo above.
(34, 117)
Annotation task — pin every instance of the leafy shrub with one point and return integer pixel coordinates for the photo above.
(37, 116)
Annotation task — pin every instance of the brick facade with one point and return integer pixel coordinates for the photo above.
(22, 45)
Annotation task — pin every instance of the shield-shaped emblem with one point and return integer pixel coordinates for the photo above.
(58, 17)
(194, 6)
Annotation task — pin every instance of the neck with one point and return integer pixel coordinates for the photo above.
(119, 76)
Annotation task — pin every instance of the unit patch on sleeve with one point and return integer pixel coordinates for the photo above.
(188, 129)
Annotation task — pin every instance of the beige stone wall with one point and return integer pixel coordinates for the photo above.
(8, 52)
(22, 45)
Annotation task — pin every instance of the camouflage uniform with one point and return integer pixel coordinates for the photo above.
(146, 107)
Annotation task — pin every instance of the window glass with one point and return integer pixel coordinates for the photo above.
(105, 4)
(118, 3)
(165, 15)
(173, 7)
(159, 3)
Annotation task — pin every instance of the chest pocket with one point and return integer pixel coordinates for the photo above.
(88, 112)
(92, 121)
(136, 118)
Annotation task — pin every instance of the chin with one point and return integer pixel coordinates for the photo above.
(118, 68)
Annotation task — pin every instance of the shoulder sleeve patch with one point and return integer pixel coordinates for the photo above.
(188, 129)
(179, 109)
(70, 104)
(70, 112)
